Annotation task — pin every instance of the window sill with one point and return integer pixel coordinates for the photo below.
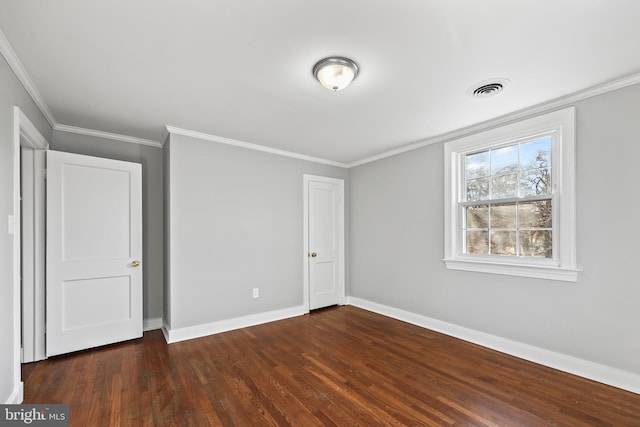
(534, 271)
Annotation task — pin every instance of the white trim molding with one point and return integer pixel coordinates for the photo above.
(251, 146)
(198, 331)
(536, 272)
(24, 132)
(17, 396)
(615, 377)
(525, 113)
(107, 135)
(12, 59)
(559, 126)
(18, 69)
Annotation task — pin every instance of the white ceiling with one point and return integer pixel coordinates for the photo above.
(241, 69)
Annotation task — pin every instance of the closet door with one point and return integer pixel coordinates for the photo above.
(94, 252)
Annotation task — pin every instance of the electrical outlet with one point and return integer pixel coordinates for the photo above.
(256, 292)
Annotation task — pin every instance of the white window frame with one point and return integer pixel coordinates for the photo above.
(561, 126)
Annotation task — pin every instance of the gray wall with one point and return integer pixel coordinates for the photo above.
(397, 232)
(152, 193)
(12, 94)
(235, 223)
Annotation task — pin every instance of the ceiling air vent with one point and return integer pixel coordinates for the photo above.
(487, 88)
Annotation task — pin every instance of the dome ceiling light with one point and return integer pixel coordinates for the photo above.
(335, 73)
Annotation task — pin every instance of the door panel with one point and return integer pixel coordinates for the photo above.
(326, 216)
(94, 235)
(96, 204)
(325, 276)
(113, 293)
(323, 201)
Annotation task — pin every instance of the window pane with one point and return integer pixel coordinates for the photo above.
(504, 160)
(478, 189)
(503, 216)
(478, 216)
(504, 186)
(536, 154)
(477, 242)
(503, 242)
(537, 181)
(477, 165)
(536, 243)
(518, 170)
(535, 214)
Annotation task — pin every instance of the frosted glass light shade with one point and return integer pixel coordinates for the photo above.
(335, 73)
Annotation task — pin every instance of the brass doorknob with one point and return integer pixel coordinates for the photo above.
(313, 254)
(135, 263)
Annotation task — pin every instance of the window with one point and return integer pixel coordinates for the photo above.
(509, 199)
(507, 204)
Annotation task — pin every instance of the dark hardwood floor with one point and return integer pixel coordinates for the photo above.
(341, 366)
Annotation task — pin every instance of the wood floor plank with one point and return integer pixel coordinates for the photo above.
(341, 366)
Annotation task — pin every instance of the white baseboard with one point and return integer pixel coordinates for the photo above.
(197, 331)
(17, 396)
(151, 324)
(594, 371)
(165, 332)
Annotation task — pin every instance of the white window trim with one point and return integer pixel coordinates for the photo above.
(564, 264)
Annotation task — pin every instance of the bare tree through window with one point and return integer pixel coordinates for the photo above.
(508, 206)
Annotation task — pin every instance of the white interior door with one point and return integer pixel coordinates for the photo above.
(325, 241)
(94, 251)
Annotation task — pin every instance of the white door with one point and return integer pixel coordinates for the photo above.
(94, 251)
(325, 251)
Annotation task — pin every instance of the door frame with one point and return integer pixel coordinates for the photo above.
(27, 135)
(306, 178)
(32, 222)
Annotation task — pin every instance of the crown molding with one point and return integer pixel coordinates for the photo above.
(15, 64)
(107, 135)
(250, 146)
(544, 107)
(10, 56)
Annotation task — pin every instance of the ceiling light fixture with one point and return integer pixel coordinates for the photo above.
(335, 73)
